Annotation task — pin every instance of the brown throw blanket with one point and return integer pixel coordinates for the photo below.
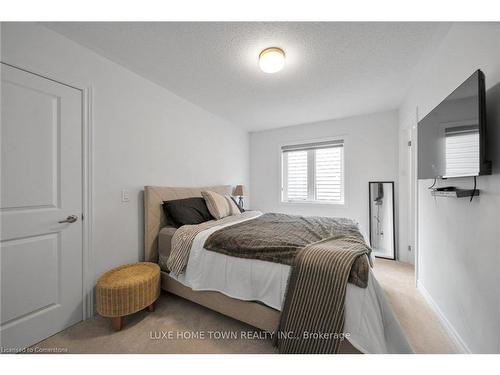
(278, 238)
(312, 319)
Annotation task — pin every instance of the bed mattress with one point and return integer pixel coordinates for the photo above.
(369, 319)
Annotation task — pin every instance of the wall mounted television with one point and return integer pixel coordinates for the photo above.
(452, 138)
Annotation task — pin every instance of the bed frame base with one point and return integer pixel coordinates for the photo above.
(252, 313)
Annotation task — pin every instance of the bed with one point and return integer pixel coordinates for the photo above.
(253, 291)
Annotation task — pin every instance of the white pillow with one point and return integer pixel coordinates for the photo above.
(220, 205)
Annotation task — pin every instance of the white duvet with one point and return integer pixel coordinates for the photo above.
(369, 318)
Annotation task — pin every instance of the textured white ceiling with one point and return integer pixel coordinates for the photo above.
(332, 69)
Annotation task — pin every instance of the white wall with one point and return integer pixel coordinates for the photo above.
(371, 154)
(143, 135)
(458, 241)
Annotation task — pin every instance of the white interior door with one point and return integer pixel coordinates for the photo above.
(41, 185)
(411, 194)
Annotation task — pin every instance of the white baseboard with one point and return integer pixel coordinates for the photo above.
(457, 339)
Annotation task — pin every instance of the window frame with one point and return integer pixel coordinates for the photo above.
(311, 174)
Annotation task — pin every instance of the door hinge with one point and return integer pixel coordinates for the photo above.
(409, 247)
(409, 143)
(83, 217)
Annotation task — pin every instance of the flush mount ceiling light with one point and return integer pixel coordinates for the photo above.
(272, 60)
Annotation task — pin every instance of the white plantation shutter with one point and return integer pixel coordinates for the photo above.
(329, 185)
(313, 172)
(462, 151)
(296, 180)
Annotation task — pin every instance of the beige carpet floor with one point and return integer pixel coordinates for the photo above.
(173, 327)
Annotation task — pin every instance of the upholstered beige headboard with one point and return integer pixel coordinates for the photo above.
(154, 217)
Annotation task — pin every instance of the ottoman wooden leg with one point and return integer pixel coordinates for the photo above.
(117, 323)
(151, 307)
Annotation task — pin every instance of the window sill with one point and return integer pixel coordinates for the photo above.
(314, 203)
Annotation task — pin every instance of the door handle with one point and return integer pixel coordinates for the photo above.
(70, 219)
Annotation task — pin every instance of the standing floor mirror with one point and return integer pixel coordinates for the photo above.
(381, 209)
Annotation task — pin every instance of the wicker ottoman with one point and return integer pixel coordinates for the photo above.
(126, 290)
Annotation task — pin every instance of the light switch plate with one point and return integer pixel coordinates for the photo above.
(125, 195)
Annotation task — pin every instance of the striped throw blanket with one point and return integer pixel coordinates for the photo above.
(312, 318)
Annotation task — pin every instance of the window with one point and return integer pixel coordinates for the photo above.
(462, 150)
(313, 172)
